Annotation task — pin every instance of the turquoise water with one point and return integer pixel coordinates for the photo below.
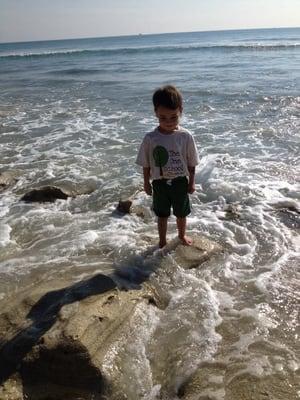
(74, 112)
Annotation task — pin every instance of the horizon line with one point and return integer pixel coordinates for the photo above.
(146, 34)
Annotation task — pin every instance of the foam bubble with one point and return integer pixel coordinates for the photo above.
(293, 365)
(213, 394)
(256, 366)
(87, 238)
(155, 392)
(218, 379)
(226, 301)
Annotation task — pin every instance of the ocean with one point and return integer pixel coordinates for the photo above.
(73, 114)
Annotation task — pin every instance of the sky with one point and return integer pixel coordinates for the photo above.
(27, 20)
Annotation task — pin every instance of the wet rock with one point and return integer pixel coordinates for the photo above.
(294, 209)
(200, 382)
(8, 178)
(289, 218)
(68, 343)
(72, 189)
(287, 205)
(56, 349)
(45, 194)
(64, 371)
(232, 211)
(131, 205)
(229, 382)
(288, 211)
(250, 387)
(229, 211)
(124, 206)
(201, 250)
(12, 389)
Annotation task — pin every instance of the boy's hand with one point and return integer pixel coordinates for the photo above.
(147, 184)
(148, 188)
(191, 187)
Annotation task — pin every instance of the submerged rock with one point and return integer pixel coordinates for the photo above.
(232, 211)
(228, 211)
(228, 382)
(45, 194)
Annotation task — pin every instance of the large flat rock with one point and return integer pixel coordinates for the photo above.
(55, 342)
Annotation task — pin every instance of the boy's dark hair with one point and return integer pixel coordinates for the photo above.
(167, 96)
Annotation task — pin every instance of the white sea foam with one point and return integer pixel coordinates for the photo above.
(87, 238)
(264, 281)
(4, 208)
(225, 300)
(5, 231)
(262, 314)
(186, 326)
(123, 352)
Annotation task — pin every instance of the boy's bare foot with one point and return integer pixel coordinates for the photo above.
(162, 244)
(186, 241)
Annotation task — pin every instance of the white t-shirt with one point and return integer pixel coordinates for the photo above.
(168, 155)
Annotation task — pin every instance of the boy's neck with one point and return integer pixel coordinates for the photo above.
(165, 132)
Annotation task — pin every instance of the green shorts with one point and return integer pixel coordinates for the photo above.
(169, 193)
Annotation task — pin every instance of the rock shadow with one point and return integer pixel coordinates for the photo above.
(39, 320)
(66, 370)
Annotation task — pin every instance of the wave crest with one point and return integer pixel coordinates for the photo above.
(146, 49)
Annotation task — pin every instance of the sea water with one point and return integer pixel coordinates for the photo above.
(73, 114)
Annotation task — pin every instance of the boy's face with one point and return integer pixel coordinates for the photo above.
(168, 118)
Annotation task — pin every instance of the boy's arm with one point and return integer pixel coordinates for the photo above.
(191, 187)
(147, 184)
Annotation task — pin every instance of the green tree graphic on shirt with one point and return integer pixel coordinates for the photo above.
(161, 157)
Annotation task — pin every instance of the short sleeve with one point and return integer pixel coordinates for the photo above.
(143, 158)
(192, 152)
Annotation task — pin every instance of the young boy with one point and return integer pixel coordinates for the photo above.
(169, 156)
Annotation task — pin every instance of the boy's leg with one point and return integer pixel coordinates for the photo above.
(162, 224)
(181, 226)
(161, 207)
(181, 207)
